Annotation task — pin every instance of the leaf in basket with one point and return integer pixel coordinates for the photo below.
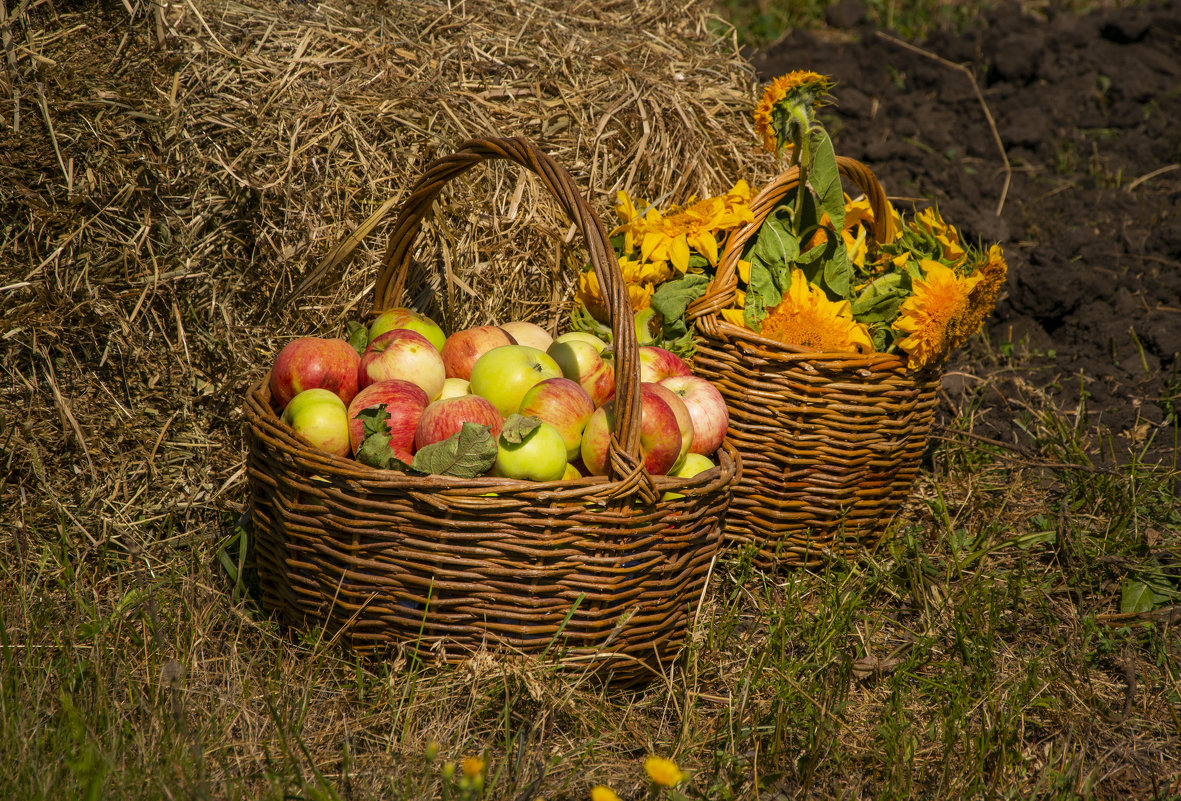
(825, 180)
(763, 292)
(775, 243)
(673, 297)
(466, 454)
(519, 426)
(357, 336)
(375, 449)
(881, 298)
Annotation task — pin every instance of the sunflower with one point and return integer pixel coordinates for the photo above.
(937, 311)
(805, 316)
(671, 236)
(800, 89)
(931, 222)
(640, 279)
(982, 297)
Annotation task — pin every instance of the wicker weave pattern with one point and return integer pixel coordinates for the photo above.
(603, 574)
(830, 442)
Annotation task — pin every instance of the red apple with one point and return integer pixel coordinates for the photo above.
(684, 421)
(404, 401)
(392, 319)
(314, 363)
(446, 417)
(404, 354)
(530, 334)
(464, 348)
(503, 375)
(660, 436)
(563, 404)
(582, 362)
(658, 363)
(707, 409)
(319, 416)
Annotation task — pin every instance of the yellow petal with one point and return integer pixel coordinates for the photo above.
(734, 317)
(680, 254)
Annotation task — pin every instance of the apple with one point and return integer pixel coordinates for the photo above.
(404, 401)
(455, 388)
(684, 421)
(446, 417)
(393, 319)
(539, 456)
(658, 363)
(563, 404)
(530, 334)
(402, 353)
(660, 435)
(694, 463)
(571, 473)
(582, 362)
(464, 348)
(582, 336)
(315, 363)
(319, 416)
(503, 375)
(707, 409)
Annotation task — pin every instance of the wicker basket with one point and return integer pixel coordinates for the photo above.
(601, 574)
(830, 442)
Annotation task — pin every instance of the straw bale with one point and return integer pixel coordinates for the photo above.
(170, 172)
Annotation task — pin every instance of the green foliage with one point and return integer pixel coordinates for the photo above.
(466, 454)
(375, 449)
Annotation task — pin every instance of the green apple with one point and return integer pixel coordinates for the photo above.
(503, 375)
(391, 319)
(571, 473)
(582, 336)
(455, 388)
(320, 416)
(693, 464)
(539, 456)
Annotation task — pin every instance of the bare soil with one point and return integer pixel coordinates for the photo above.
(1088, 206)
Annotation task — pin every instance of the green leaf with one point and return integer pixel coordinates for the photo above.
(838, 272)
(466, 454)
(879, 302)
(375, 449)
(518, 427)
(764, 291)
(673, 297)
(775, 243)
(357, 335)
(1138, 596)
(825, 180)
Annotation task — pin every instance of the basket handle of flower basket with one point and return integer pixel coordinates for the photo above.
(720, 294)
(624, 462)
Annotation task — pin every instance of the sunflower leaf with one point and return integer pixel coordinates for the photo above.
(825, 179)
(774, 243)
(465, 454)
(518, 427)
(764, 291)
(375, 449)
(357, 335)
(671, 300)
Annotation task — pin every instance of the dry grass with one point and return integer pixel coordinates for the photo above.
(170, 173)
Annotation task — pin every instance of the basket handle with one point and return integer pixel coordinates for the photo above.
(624, 462)
(720, 294)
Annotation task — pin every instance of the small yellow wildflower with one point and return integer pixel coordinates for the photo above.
(663, 771)
(799, 88)
(805, 316)
(473, 767)
(929, 317)
(601, 793)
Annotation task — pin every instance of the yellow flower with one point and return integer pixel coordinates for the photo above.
(929, 220)
(795, 89)
(639, 294)
(625, 208)
(934, 313)
(735, 317)
(663, 771)
(473, 767)
(981, 298)
(601, 793)
(671, 236)
(805, 316)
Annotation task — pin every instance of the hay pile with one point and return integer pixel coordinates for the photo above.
(168, 176)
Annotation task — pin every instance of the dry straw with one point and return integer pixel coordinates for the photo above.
(830, 442)
(603, 574)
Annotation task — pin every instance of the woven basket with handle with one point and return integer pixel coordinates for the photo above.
(830, 442)
(601, 574)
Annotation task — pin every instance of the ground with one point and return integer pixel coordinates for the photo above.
(1083, 190)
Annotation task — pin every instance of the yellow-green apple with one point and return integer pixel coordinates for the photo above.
(319, 416)
(392, 319)
(530, 334)
(707, 409)
(402, 353)
(571, 472)
(464, 348)
(684, 421)
(503, 375)
(694, 463)
(404, 402)
(581, 361)
(315, 363)
(563, 404)
(660, 436)
(538, 454)
(446, 417)
(455, 387)
(658, 363)
(582, 336)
